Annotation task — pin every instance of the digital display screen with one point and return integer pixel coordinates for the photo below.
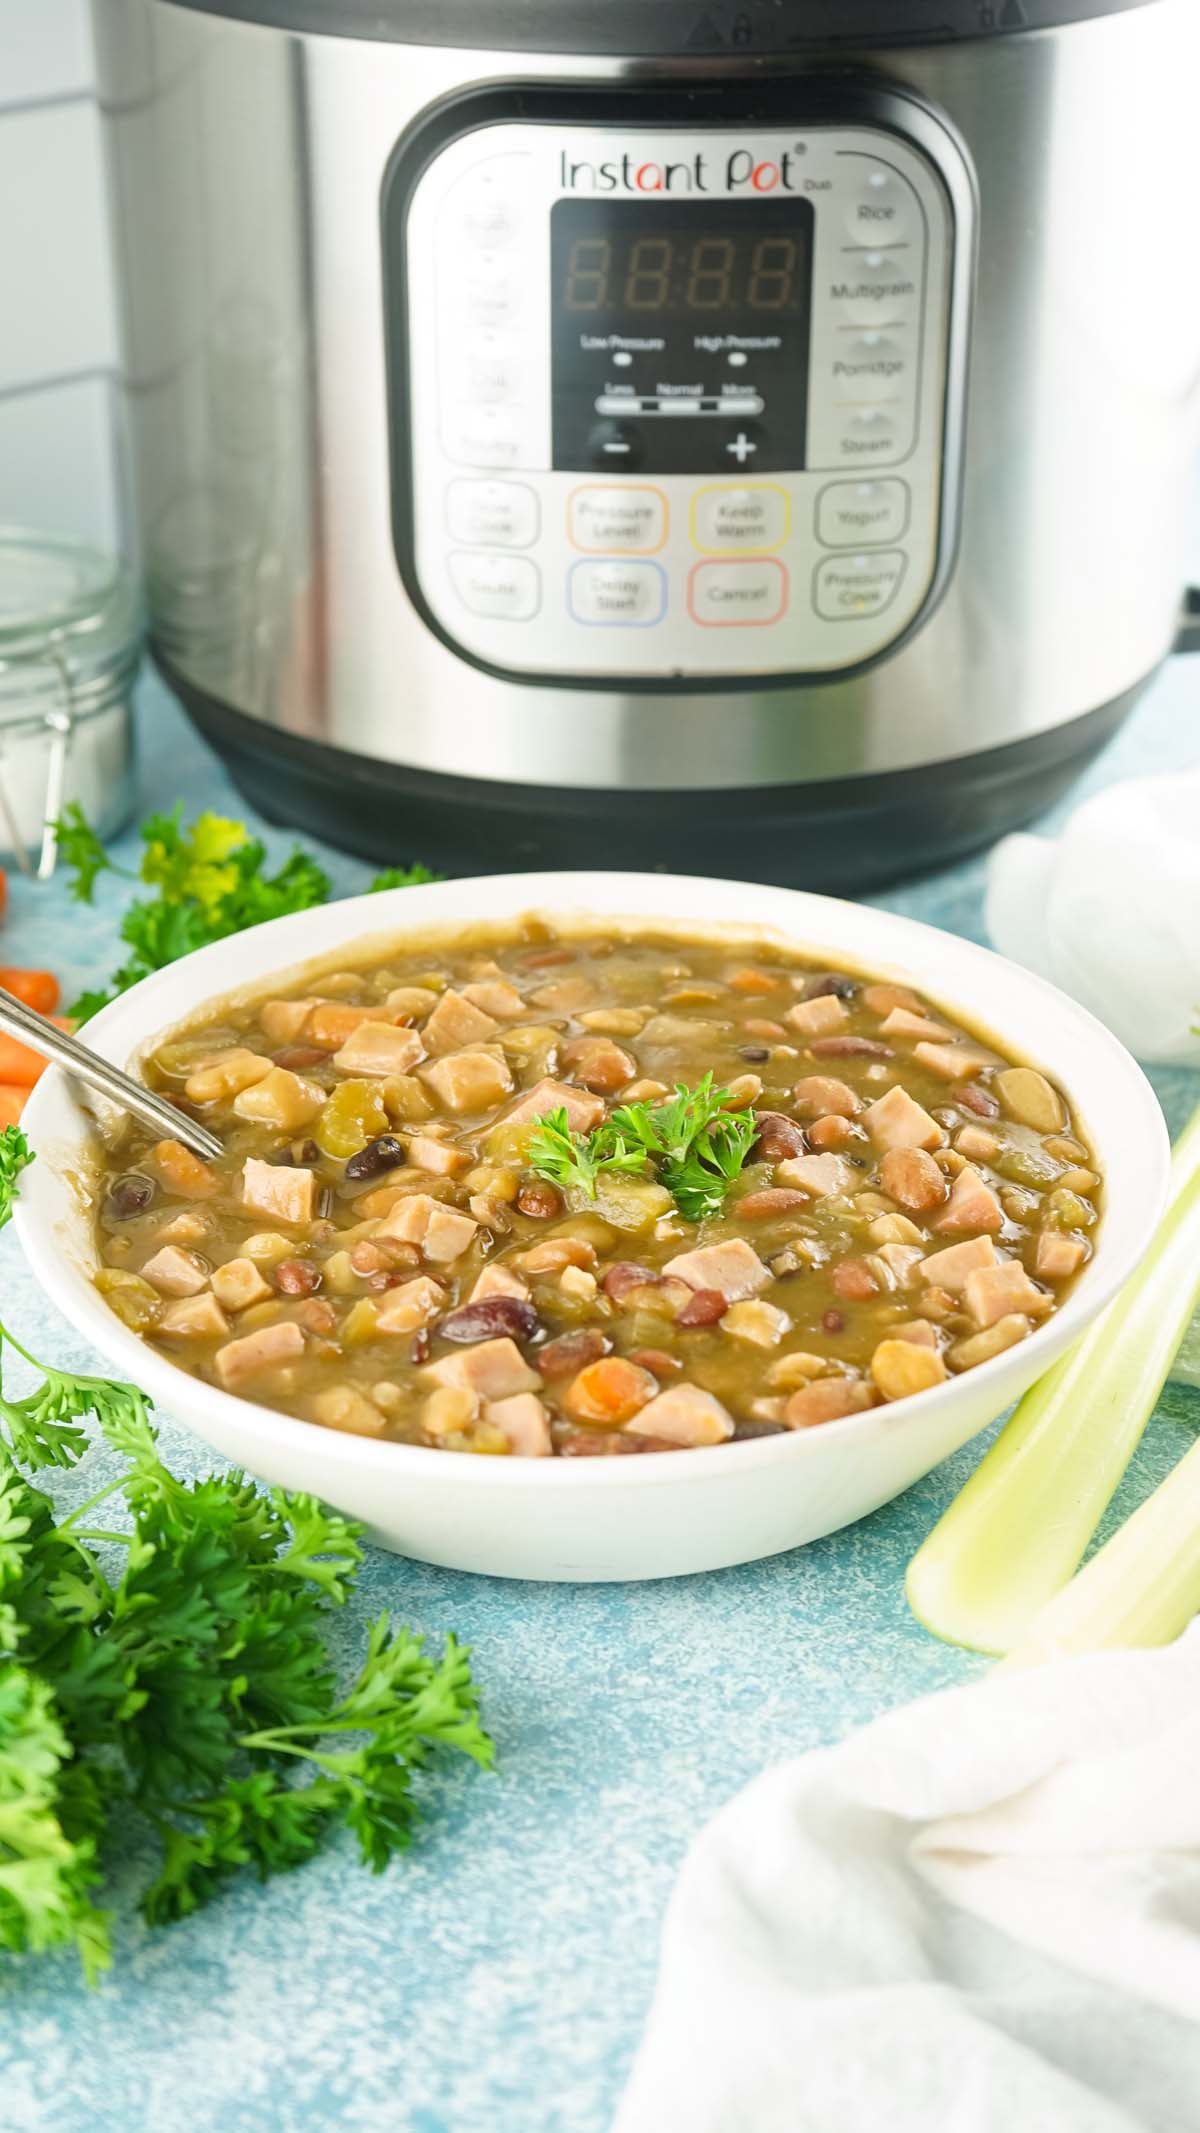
(680, 334)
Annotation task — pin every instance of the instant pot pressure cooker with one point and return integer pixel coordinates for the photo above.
(740, 435)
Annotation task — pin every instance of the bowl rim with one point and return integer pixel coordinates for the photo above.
(128, 1024)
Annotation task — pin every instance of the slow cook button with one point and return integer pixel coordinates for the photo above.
(850, 588)
(733, 595)
(750, 518)
(628, 595)
(850, 513)
(508, 588)
(611, 516)
(492, 514)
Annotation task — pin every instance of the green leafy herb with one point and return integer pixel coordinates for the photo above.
(172, 1668)
(209, 881)
(402, 878)
(695, 1146)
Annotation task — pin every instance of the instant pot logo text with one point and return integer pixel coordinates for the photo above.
(741, 171)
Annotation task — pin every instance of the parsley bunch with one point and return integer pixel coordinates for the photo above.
(173, 1668)
(209, 881)
(695, 1146)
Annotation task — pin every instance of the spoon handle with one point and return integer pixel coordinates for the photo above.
(99, 1074)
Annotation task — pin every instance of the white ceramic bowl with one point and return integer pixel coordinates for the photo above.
(661, 1514)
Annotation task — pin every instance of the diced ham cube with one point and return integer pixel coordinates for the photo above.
(817, 1175)
(413, 1304)
(821, 1017)
(186, 1228)
(900, 1262)
(683, 1414)
(456, 1024)
(495, 996)
(827, 1400)
(954, 1062)
(599, 1064)
(255, 1353)
(379, 1048)
(332, 1023)
(757, 1321)
(977, 1144)
(824, 1096)
(441, 1156)
(734, 1269)
(949, 1269)
(583, 1110)
(898, 1121)
(903, 1023)
(912, 1178)
(469, 1081)
(176, 1272)
(442, 1233)
(917, 1330)
(493, 1370)
(277, 1190)
(281, 1098)
(282, 1021)
(972, 1205)
(345, 1407)
(182, 1173)
(197, 1318)
(497, 1281)
(239, 1284)
(994, 1292)
(525, 1423)
(1058, 1257)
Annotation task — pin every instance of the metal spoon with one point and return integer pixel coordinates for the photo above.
(108, 1080)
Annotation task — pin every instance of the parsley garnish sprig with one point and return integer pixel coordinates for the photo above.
(693, 1145)
(172, 1667)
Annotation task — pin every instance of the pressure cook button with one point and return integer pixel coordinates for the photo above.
(492, 514)
(629, 595)
(878, 211)
(614, 516)
(615, 445)
(731, 517)
(850, 513)
(506, 588)
(737, 595)
(853, 587)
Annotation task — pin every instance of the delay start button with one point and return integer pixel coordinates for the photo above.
(848, 588)
(629, 595)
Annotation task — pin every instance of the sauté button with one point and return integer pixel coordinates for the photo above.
(492, 514)
(737, 595)
(609, 516)
(752, 518)
(850, 588)
(506, 588)
(851, 513)
(629, 595)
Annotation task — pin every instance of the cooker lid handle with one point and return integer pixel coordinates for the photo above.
(1187, 634)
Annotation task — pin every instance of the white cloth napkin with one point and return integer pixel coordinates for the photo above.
(1111, 911)
(980, 1914)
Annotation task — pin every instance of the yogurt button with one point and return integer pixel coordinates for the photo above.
(853, 513)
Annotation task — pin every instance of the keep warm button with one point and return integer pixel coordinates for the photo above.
(851, 587)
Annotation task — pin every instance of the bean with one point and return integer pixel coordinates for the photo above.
(571, 1352)
(763, 1206)
(297, 1277)
(754, 1053)
(778, 1138)
(383, 1153)
(623, 1275)
(850, 1048)
(832, 1321)
(978, 1101)
(744, 1429)
(831, 982)
(656, 1361)
(131, 1195)
(608, 1444)
(490, 1318)
(539, 1198)
(705, 1308)
(295, 1057)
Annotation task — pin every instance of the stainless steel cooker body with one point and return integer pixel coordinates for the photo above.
(336, 529)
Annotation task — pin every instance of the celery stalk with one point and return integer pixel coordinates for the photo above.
(1013, 1536)
(1142, 1587)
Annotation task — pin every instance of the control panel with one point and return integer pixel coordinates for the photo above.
(676, 401)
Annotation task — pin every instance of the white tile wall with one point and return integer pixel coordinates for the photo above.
(58, 423)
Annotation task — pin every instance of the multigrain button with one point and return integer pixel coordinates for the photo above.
(748, 518)
(629, 595)
(737, 595)
(506, 588)
(492, 514)
(851, 514)
(610, 517)
(850, 588)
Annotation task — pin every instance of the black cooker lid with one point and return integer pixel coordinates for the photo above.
(665, 29)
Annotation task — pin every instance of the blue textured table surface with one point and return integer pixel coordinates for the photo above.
(496, 1978)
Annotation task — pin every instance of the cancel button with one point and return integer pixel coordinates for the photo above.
(848, 588)
(732, 595)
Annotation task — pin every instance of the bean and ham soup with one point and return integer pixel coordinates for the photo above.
(384, 1248)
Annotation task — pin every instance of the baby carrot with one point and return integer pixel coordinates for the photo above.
(12, 1103)
(37, 988)
(21, 1065)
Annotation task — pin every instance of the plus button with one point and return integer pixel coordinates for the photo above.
(742, 448)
